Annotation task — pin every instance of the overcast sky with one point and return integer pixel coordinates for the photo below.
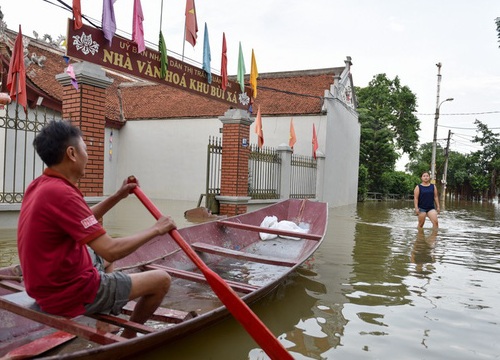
(400, 38)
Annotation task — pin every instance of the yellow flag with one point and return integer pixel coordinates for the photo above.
(254, 74)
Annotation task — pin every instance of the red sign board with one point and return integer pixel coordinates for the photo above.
(89, 44)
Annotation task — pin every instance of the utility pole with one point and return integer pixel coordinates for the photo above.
(445, 171)
(436, 118)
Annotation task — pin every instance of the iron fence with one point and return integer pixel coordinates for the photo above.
(264, 172)
(303, 177)
(19, 163)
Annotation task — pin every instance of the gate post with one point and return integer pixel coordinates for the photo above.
(233, 198)
(285, 152)
(320, 175)
(85, 108)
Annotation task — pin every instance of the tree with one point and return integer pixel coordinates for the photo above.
(363, 182)
(388, 124)
(421, 161)
(399, 183)
(457, 180)
(489, 157)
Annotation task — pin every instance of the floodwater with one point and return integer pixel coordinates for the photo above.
(376, 289)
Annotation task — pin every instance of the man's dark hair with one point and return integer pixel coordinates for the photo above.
(54, 139)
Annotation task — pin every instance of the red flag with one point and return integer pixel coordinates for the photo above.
(16, 79)
(293, 138)
(191, 23)
(223, 66)
(258, 128)
(77, 14)
(314, 141)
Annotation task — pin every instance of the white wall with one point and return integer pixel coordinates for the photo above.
(277, 131)
(342, 155)
(169, 157)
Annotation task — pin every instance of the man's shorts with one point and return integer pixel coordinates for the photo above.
(425, 210)
(113, 291)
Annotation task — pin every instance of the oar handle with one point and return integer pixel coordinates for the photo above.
(174, 233)
(147, 203)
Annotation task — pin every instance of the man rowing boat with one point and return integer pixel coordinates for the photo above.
(64, 251)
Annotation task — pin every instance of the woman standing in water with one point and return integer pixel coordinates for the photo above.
(426, 201)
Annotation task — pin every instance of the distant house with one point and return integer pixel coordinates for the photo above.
(160, 133)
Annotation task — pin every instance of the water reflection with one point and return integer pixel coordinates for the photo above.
(376, 288)
(422, 253)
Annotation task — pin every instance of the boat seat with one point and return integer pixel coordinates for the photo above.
(27, 307)
(22, 304)
(10, 285)
(189, 275)
(217, 250)
(266, 230)
(163, 314)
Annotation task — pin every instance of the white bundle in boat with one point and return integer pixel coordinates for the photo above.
(272, 222)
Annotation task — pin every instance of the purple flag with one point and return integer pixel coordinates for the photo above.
(108, 20)
(71, 72)
(137, 29)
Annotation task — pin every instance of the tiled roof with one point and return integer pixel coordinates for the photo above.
(280, 93)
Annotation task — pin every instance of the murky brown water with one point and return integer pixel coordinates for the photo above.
(375, 289)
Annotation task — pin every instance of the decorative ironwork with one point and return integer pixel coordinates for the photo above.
(19, 164)
(264, 170)
(303, 183)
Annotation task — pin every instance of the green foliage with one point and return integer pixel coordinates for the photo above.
(385, 110)
(489, 158)
(398, 182)
(363, 182)
(457, 176)
(473, 175)
(479, 183)
(388, 125)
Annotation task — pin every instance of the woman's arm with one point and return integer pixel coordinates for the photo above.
(416, 193)
(436, 198)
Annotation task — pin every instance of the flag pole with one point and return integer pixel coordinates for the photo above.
(17, 96)
(161, 14)
(184, 38)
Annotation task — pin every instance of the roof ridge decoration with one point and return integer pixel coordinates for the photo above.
(342, 88)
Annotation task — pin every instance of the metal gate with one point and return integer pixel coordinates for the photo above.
(19, 163)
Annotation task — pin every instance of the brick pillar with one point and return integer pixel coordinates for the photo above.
(234, 197)
(85, 108)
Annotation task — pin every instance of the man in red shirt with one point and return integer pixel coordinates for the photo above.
(63, 249)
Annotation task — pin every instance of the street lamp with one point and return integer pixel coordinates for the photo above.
(433, 161)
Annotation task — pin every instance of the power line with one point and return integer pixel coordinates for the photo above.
(94, 22)
(460, 114)
(465, 128)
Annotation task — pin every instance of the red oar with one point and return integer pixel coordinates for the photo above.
(252, 324)
(38, 346)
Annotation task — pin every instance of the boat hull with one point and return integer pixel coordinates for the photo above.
(231, 247)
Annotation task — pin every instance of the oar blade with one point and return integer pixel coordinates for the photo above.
(39, 346)
(246, 317)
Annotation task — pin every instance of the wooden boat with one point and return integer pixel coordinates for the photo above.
(231, 247)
